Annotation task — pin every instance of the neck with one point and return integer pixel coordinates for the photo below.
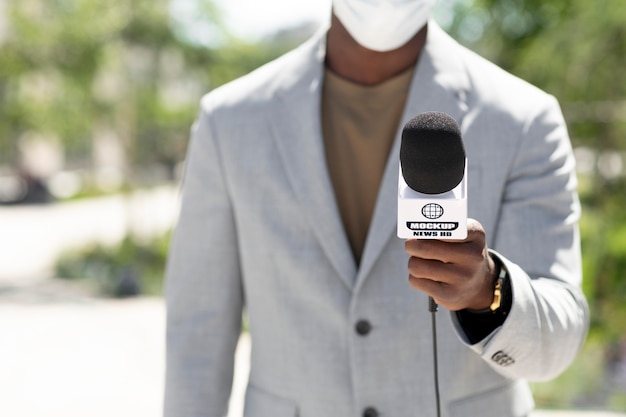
(346, 58)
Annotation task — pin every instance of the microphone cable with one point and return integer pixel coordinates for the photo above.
(433, 307)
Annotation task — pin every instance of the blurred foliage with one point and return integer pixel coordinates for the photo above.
(573, 49)
(133, 267)
(597, 378)
(75, 69)
(604, 254)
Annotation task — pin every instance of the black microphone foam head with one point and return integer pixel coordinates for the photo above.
(432, 155)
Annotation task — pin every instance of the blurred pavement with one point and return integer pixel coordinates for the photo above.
(67, 353)
(33, 236)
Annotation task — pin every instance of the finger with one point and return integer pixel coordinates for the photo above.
(428, 286)
(447, 252)
(439, 291)
(443, 294)
(430, 249)
(475, 231)
(434, 270)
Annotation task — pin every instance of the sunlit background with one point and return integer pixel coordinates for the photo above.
(96, 101)
(251, 20)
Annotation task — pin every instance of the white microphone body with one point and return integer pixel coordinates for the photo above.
(432, 216)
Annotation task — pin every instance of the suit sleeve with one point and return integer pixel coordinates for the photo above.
(537, 240)
(203, 287)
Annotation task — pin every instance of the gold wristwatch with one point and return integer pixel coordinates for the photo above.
(497, 291)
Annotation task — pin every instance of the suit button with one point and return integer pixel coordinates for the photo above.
(370, 412)
(363, 327)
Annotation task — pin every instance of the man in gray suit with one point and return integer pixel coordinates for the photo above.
(289, 212)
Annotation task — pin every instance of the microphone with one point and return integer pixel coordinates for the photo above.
(432, 191)
(432, 180)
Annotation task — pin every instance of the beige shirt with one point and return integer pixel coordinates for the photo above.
(359, 125)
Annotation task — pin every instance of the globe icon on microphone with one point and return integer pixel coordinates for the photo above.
(432, 211)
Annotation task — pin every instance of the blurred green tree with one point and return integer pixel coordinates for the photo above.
(574, 49)
(76, 70)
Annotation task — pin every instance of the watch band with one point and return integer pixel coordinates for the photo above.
(497, 291)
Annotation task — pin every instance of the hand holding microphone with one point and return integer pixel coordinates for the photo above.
(449, 259)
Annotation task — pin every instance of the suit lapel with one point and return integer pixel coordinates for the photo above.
(439, 84)
(298, 137)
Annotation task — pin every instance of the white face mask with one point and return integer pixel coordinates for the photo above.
(382, 25)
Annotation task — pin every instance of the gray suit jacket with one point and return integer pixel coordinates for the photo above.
(259, 229)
